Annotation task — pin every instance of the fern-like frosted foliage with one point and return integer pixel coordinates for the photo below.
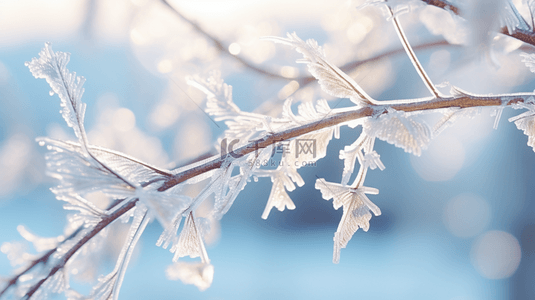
(190, 243)
(80, 174)
(399, 129)
(283, 179)
(361, 149)
(332, 80)
(529, 60)
(357, 208)
(52, 66)
(309, 147)
(241, 125)
(110, 285)
(511, 18)
(526, 120)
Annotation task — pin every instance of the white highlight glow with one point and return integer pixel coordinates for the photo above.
(234, 49)
(496, 255)
(466, 215)
(441, 161)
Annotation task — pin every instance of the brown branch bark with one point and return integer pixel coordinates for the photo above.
(464, 101)
(101, 225)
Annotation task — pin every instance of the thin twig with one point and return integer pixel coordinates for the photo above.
(43, 259)
(410, 53)
(219, 44)
(101, 225)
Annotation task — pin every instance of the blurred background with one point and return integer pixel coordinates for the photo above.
(457, 222)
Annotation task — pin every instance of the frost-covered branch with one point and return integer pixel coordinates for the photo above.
(146, 193)
(338, 117)
(98, 228)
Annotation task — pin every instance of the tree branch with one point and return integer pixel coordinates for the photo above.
(101, 225)
(343, 115)
(219, 44)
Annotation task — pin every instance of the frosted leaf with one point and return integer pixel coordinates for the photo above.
(242, 125)
(526, 123)
(448, 118)
(55, 284)
(529, 60)
(110, 285)
(511, 18)
(332, 80)
(168, 236)
(227, 187)
(131, 168)
(89, 214)
(357, 208)
(401, 130)
(278, 197)
(372, 160)
(497, 113)
(164, 206)
(80, 174)
(199, 274)
(124, 165)
(190, 242)
(52, 66)
(361, 149)
(219, 95)
(307, 112)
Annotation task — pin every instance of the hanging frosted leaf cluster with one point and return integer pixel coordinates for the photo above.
(526, 120)
(357, 208)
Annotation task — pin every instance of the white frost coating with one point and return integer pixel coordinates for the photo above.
(199, 274)
(52, 66)
(190, 242)
(332, 80)
(78, 173)
(356, 214)
(529, 60)
(361, 149)
(110, 285)
(398, 129)
(526, 120)
(241, 125)
(279, 197)
(163, 206)
(511, 18)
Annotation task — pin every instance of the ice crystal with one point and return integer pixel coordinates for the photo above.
(332, 80)
(529, 60)
(52, 66)
(357, 208)
(400, 130)
(526, 120)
